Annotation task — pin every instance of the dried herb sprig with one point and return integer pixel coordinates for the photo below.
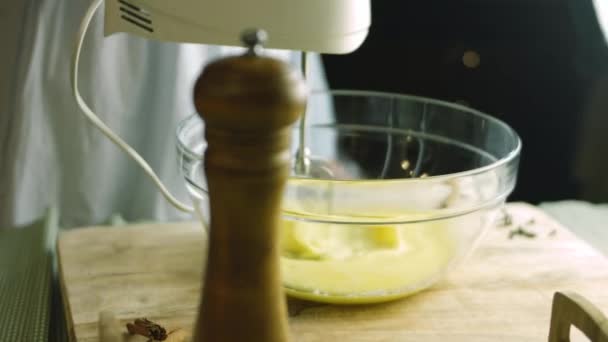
(506, 219)
(521, 232)
(147, 328)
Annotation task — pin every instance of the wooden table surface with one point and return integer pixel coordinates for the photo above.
(502, 292)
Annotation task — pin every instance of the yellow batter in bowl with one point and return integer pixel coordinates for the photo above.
(349, 264)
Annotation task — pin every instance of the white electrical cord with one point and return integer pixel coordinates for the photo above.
(89, 114)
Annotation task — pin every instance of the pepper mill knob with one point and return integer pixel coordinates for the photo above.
(248, 103)
(254, 39)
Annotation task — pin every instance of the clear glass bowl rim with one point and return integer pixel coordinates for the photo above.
(514, 153)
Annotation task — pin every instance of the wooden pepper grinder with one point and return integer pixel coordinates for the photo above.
(248, 104)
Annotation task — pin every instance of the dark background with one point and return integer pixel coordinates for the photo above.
(539, 61)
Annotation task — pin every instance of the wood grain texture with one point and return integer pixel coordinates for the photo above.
(503, 292)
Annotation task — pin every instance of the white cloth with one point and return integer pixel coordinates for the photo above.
(586, 220)
(601, 10)
(50, 155)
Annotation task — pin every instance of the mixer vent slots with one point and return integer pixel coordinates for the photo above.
(136, 15)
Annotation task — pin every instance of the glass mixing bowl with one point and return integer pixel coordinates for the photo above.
(398, 190)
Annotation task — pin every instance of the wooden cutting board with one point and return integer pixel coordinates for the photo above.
(502, 293)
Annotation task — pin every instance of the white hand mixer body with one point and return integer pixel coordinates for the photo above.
(335, 27)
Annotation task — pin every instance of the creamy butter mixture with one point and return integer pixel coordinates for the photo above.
(352, 264)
